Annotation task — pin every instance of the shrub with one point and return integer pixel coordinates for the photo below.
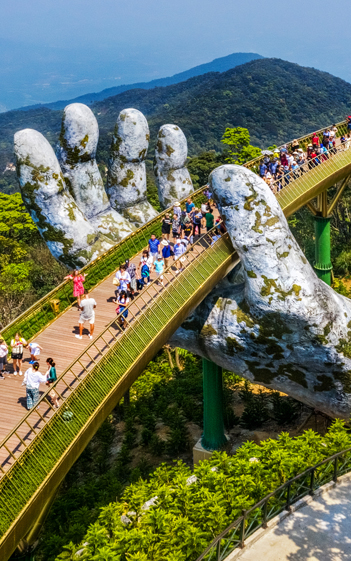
(185, 514)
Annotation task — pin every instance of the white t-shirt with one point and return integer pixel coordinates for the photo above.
(88, 308)
(124, 279)
(33, 378)
(3, 350)
(34, 349)
(177, 210)
(123, 301)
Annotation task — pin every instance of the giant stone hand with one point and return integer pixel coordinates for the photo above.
(273, 321)
(65, 194)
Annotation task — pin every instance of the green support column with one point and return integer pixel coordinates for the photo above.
(213, 436)
(323, 264)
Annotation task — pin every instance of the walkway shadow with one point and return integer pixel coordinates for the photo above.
(320, 531)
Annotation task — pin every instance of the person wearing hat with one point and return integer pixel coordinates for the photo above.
(3, 358)
(294, 144)
(176, 209)
(166, 252)
(178, 249)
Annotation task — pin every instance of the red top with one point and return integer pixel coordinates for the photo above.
(78, 287)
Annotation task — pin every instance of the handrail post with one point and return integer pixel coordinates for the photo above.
(242, 530)
(288, 507)
(264, 523)
(335, 475)
(218, 556)
(312, 483)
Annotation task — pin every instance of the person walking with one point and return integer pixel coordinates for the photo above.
(131, 270)
(17, 345)
(209, 219)
(78, 281)
(177, 209)
(153, 247)
(123, 278)
(3, 358)
(166, 252)
(197, 220)
(51, 377)
(87, 307)
(34, 349)
(122, 302)
(175, 226)
(166, 226)
(159, 267)
(188, 230)
(178, 250)
(33, 378)
(189, 205)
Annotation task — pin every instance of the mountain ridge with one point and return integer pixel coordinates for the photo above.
(276, 100)
(220, 64)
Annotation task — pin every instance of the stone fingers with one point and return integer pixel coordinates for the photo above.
(172, 177)
(70, 237)
(76, 153)
(126, 182)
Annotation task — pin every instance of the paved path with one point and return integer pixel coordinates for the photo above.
(320, 531)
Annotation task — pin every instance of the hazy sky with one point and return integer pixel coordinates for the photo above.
(58, 49)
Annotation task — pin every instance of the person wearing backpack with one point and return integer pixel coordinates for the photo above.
(166, 252)
(145, 276)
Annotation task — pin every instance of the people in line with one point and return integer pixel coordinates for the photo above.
(290, 162)
(87, 313)
(78, 281)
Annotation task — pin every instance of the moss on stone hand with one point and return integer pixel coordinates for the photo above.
(233, 346)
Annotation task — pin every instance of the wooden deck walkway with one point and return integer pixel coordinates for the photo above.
(59, 342)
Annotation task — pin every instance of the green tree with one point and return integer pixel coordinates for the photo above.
(27, 269)
(239, 148)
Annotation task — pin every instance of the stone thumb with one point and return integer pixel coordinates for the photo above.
(274, 266)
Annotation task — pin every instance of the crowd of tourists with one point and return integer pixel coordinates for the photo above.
(178, 230)
(279, 167)
(183, 226)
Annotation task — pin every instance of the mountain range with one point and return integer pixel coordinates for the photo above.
(276, 100)
(217, 65)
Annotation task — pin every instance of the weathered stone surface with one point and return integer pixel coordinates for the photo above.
(282, 327)
(76, 154)
(71, 238)
(126, 182)
(172, 177)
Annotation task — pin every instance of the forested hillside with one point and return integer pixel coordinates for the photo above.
(276, 100)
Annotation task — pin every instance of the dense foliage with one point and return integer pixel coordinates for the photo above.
(276, 100)
(27, 269)
(177, 512)
(166, 407)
